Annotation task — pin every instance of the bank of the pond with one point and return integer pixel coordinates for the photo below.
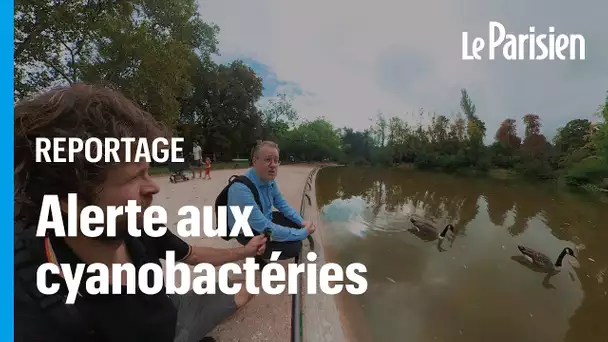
(496, 173)
(325, 317)
(513, 176)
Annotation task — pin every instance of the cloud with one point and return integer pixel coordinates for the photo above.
(272, 84)
(350, 60)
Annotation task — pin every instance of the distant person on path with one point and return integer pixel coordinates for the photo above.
(83, 111)
(207, 168)
(288, 228)
(197, 155)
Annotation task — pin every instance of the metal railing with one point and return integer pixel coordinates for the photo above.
(296, 310)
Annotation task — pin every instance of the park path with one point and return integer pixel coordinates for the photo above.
(266, 317)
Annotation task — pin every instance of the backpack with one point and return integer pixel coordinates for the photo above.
(222, 198)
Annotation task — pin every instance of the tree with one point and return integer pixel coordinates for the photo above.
(357, 146)
(315, 140)
(506, 135)
(379, 129)
(54, 38)
(534, 143)
(278, 117)
(532, 125)
(146, 49)
(572, 136)
(458, 129)
(537, 153)
(592, 166)
(600, 131)
(476, 127)
(229, 118)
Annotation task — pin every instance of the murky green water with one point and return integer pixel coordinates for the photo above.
(473, 286)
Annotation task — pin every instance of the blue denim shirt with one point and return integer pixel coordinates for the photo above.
(240, 195)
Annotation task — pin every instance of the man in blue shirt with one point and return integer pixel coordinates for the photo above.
(288, 228)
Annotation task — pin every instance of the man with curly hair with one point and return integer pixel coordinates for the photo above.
(85, 111)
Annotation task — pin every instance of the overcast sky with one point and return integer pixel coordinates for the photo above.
(347, 60)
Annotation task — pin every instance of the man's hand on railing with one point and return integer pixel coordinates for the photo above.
(309, 226)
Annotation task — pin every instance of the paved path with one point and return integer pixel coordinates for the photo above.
(266, 317)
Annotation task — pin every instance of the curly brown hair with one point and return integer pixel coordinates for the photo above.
(80, 111)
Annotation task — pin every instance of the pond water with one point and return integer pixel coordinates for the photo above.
(473, 285)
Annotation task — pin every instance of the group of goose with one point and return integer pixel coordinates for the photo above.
(429, 232)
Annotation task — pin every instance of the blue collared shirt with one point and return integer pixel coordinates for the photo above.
(240, 195)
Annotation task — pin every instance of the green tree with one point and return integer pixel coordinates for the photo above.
(278, 117)
(572, 135)
(592, 169)
(145, 48)
(379, 129)
(476, 127)
(357, 146)
(223, 107)
(572, 142)
(600, 131)
(316, 140)
(53, 39)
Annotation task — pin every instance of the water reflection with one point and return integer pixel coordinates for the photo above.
(473, 285)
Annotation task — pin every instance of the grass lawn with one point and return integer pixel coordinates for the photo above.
(161, 170)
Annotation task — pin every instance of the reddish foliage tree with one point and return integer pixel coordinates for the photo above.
(534, 142)
(532, 123)
(507, 134)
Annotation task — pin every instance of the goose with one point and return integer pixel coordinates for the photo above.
(525, 261)
(427, 231)
(441, 241)
(543, 261)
